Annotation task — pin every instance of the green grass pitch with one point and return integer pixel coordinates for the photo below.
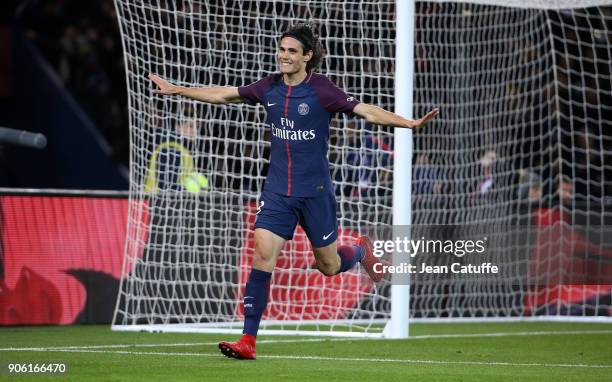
(439, 352)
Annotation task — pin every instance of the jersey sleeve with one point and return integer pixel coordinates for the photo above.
(332, 98)
(255, 92)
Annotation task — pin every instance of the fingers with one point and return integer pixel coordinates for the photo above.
(432, 114)
(163, 85)
(156, 79)
(427, 117)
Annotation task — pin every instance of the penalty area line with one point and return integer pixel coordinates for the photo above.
(345, 359)
(311, 340)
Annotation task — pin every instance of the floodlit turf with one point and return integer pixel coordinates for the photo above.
(96, 353)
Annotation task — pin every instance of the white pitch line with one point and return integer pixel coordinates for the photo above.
(482, 363)
(348, 359)
(510, 334)
(307, 340)
(186, 344)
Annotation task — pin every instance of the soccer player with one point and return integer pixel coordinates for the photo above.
(299, 104)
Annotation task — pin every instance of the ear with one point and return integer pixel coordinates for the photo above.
(308, 56)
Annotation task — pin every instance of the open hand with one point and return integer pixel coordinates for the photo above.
(426, 118)
(164, 87)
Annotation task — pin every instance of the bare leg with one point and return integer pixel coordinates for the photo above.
(268, 246)
(332, 259)
(328, 261)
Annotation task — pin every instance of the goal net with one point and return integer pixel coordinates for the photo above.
(191, 271)
(520, 155)
(524, 92)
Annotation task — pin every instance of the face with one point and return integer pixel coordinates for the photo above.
(566, 191)
(291, 57)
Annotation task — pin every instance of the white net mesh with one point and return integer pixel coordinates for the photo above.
(194, 264)
(523, 144)
(524, 93)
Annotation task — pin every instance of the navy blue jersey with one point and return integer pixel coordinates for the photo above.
(298, 117)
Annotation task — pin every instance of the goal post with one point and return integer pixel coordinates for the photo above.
(397, 327)
(522, 140)
(189, 271)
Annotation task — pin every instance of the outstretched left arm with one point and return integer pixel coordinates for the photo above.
(380, 116)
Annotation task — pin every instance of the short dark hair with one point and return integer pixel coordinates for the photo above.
(305, 33)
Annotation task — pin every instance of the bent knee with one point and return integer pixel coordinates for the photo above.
(328, 269)
(261, 254)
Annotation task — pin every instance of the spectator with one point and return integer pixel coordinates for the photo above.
(530, 186)
(487, 161)
(425, 177)
(565, 267)
(366, 163)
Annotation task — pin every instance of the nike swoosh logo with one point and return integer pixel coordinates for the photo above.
(328, 235)
(271, 104)
(245, 297)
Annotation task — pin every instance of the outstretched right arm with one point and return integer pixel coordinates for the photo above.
(219, 95)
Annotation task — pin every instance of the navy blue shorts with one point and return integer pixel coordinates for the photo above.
(317, 216)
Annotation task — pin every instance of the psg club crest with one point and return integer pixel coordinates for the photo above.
(303, 108)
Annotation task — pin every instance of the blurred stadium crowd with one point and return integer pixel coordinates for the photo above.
(81, 40)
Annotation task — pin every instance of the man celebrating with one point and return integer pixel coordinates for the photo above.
(299, 104)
